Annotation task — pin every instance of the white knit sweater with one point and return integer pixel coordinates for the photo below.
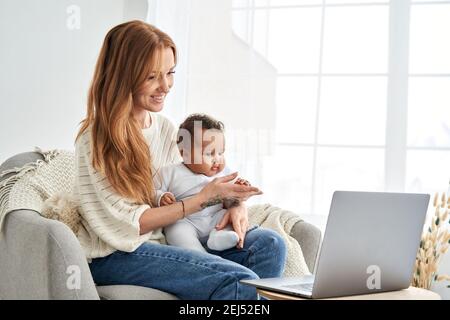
(109, 221)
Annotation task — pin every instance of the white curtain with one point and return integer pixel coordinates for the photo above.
(222, 76)
(173, 17)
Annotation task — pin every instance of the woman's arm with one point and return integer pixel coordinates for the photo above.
(219, 188)
(154, 218)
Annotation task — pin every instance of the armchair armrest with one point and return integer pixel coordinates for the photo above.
(39, 259)
(309, 237)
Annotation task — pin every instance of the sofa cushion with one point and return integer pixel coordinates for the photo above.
(126, 292)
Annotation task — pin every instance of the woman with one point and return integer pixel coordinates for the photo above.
(121, 145)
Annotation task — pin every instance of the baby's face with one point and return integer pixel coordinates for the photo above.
(211, 154)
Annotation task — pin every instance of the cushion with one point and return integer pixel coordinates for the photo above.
(126, 292)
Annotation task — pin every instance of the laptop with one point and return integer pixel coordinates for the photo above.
(369, 246)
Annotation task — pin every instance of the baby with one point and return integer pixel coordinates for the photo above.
(202, 144)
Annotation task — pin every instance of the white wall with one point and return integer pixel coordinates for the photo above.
(46, 68)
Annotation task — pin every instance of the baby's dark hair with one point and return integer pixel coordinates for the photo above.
(206, 121)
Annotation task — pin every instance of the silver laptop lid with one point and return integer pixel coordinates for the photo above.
(370, 243)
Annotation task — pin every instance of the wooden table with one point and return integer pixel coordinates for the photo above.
(412, 293)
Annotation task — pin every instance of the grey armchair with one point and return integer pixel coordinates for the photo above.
(39, 257)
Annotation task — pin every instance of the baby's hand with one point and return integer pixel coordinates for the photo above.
(167, 199)
(243, 182)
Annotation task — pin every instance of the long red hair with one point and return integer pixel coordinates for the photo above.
(130, 52)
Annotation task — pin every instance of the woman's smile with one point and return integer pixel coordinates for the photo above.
(158, 99)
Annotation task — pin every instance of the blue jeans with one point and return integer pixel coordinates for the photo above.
(190, 274)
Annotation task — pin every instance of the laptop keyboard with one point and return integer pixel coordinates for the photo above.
(302, 286)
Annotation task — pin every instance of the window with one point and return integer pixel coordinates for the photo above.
(428, 144)
(362, 99)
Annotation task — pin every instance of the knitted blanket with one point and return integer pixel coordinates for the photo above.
(48, 183)
(29, 186)
(281, 221)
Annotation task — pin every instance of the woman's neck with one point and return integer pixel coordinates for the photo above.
(143, 118)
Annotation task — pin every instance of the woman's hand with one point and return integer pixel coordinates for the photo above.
(218, 189)
(238, 218)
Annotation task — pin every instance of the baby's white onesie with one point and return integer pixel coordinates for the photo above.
(198, 228)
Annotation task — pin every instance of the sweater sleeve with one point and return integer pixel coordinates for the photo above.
(113, 218)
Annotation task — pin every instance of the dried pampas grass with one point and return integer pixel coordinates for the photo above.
(433, 245)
